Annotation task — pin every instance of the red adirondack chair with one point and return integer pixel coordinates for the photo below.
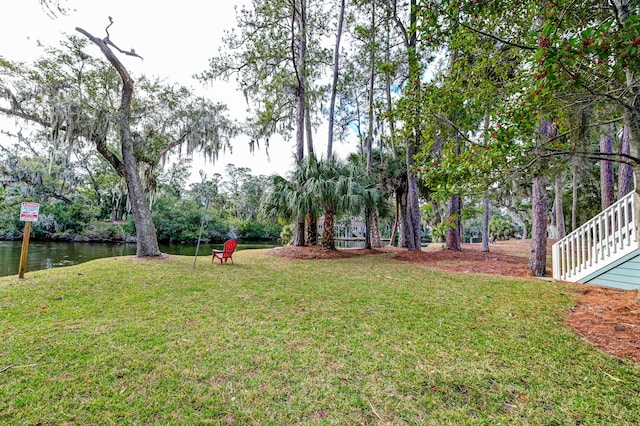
(226, 253)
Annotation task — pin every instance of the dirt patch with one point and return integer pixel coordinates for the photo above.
(606, 318)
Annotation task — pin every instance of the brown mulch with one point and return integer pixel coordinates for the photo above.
(606, 318)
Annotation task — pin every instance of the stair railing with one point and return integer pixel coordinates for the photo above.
(604, 239)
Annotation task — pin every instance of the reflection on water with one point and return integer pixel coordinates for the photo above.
(45, 255)
(355, 242)
(340, 243)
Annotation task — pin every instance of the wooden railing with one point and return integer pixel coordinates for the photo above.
(604, 239)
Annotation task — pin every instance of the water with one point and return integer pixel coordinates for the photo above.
(45, 255)
(351, 243)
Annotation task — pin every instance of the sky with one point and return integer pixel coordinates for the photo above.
(176, 40)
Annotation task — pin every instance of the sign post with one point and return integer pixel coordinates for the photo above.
(28, 214)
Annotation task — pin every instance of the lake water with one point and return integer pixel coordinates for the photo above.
(45, 255)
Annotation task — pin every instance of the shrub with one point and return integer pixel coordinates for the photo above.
(177, 220)
(286, 235)
(255, 230)
(501, 228)
(101, 231)
(66, 219)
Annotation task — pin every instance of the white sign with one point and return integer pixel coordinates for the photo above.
(29, 212)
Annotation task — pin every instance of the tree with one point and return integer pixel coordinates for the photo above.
(607, 179)
(71, 101)
(232, 186)
(276, 58)
(334, 83)
(538, 257)
(54, 8)
(329, 184)
(625, 171)
(41, 176)
(569, 54)
(411, 115)
(146, 239)
(283, 200)
(462, 152)
(587, 49)
(559, 206)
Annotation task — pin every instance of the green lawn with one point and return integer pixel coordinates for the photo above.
(270, 341)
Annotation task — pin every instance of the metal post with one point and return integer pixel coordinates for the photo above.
(204, 216)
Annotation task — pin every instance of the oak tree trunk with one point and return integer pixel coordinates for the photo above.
(574, 197)
(147, 241)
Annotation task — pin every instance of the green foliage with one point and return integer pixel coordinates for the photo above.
(103, 231)
(217, 228)
(255, 230)
(176, 220)
(10, 225)
(286, 235)
(328, 187)
(59, 219)
(177, 213)
(439, 232)
(589, 202)
(472, 228)
(262, 53)
(501, 228)
(129, 227)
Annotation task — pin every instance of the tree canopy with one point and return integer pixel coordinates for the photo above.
(461, 106)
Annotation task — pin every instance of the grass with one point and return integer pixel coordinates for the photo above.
(271, 341)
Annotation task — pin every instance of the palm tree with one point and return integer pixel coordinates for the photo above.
(331, 189)
(387, 179)
(330, 186)
(288, 199)
(282, 200)
(374, 203)
(308, 169)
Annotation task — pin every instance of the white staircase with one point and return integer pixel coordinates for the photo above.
(605, 239)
